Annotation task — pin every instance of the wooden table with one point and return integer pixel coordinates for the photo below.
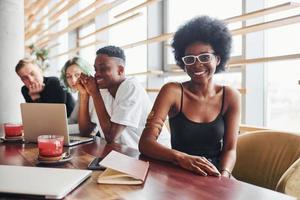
(164, 180)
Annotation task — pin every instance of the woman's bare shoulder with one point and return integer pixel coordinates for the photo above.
(171, 87)
(233, 96)
(232, 92)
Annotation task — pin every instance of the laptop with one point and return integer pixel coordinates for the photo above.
(48, 183)
(48, 118)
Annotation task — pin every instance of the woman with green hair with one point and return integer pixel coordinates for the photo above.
(70, 73)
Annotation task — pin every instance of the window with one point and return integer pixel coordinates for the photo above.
(129, 32)
(88, 53)
(283, 90)
(63, 41)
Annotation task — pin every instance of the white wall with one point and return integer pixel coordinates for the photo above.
(11, 51)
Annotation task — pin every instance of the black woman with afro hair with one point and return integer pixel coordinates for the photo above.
(203, 115)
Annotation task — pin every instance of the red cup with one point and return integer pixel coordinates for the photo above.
(50, 145)
(13, 130)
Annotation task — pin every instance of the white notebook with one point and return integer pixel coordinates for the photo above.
(123, 170)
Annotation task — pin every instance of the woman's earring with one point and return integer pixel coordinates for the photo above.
(184, 68)
(218, 60)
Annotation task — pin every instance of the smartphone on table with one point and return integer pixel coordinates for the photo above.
(94, 164)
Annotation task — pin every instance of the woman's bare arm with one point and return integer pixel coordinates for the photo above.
(232, 120)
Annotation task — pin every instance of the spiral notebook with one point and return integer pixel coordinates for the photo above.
(122, 169)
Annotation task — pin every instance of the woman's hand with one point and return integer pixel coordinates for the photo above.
(89, 83)
(80, 88)
(197, 164)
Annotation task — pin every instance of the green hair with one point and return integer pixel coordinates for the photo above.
(81, 63)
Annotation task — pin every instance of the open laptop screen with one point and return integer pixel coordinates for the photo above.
(47, 118)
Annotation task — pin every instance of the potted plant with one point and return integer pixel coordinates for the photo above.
(41, 56)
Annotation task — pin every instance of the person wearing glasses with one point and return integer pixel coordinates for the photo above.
(70, 73)
(121, 103)
(203, 115)
(40, 89)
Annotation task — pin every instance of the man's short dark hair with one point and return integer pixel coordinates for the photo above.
(112, 51)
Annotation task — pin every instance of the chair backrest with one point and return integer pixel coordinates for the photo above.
(289, 182)
(245, 128)
(264, 156)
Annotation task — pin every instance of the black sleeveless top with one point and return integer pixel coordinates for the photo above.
(200, 139)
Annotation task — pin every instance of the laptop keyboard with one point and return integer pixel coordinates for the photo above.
(76, 138)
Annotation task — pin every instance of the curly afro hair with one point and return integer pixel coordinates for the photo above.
(206, 30)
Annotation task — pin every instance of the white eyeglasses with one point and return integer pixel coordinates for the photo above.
(202, 58)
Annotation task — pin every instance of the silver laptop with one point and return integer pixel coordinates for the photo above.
(49, 183)
(48, 118)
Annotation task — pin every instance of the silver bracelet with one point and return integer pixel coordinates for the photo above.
(226, 170)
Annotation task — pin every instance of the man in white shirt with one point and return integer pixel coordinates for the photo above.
(121, 104)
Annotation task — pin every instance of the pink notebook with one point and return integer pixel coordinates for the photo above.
(122, 169)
